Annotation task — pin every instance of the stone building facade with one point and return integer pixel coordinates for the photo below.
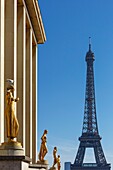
(21, 30)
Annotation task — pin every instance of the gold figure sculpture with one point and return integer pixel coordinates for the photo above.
(58, 163)
(12, 124)
(54, 156)
(43, 147)
(56, 160)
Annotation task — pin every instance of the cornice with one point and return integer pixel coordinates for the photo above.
(36, 20)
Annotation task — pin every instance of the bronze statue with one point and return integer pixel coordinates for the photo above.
(54, 156)
(12, 124)
(43, 147)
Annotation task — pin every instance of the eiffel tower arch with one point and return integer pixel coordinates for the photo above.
(90, 137)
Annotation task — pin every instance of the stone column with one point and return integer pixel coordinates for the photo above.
(21, 56)
(28, 136)
(2, 71)
(34, 103)
(10, 41)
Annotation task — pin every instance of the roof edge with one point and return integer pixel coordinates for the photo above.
(36, 20)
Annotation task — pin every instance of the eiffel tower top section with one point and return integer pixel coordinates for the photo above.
(90, 54)
(90, 127)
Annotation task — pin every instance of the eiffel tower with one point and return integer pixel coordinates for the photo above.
(90, 137)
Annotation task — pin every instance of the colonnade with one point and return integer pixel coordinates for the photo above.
(21, 29)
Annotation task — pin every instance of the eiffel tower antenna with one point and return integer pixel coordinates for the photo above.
(90, 137)
(89, 43)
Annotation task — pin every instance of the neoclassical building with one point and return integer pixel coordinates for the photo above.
(21, 30)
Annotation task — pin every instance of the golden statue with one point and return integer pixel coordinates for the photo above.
(12, 124)
(56, 160)
(54, 156)
(43, 147)
(58, 163)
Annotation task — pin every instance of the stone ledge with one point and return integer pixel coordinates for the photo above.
(19, 158)
(38, 166)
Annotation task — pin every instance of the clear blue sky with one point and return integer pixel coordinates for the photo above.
(62, 73)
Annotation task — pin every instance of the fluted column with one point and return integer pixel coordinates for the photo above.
(21, 58)
(28, 136)
(34, 103)
(10, 62)
(2, 71)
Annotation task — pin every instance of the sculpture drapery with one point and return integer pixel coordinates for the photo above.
(12, 125)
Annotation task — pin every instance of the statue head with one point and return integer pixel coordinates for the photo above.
(55, 148)
(10, 88)
(45, 131)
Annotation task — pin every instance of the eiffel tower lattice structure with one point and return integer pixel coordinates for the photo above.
(90, 137)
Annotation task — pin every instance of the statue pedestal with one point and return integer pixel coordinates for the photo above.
(53, 168)
(39, 165)
(12, 157)
(11, 148)
(14, 162)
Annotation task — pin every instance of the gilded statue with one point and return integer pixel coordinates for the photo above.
(58, 163)
(43, 147)
(12, 124)
(56, 160)
(54, 156)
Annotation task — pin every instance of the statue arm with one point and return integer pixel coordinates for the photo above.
(17, 99)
